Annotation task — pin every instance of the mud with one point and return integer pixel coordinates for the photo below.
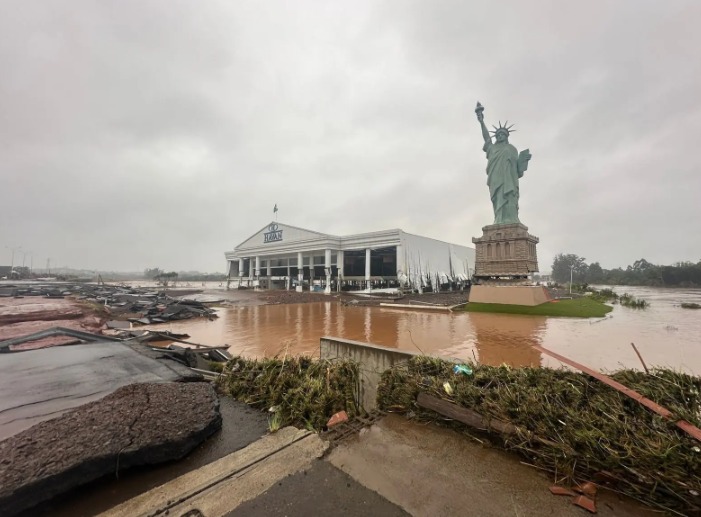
(22, 316)
(428, 470)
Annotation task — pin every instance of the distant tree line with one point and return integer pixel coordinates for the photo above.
(641, 272)
(160, 275)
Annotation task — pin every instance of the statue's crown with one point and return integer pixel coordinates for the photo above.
(503, 128)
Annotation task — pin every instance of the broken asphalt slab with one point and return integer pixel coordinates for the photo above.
(241, 426)
(38, 385)
(138, 424)
(72, 414)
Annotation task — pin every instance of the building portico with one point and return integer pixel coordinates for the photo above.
(281, 256)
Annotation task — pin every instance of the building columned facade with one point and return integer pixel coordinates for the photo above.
(280, 256)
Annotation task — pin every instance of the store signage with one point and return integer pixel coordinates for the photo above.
(273, 234)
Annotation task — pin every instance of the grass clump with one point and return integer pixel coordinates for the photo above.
(573, 425)
(574, 308)
(299, 391)
(691, 305)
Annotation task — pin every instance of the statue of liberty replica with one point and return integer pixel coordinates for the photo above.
(506, 252)
(505, 166)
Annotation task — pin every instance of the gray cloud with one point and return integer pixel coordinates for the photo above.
(140, 134)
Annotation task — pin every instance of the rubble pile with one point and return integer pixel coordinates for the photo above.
(139, 305)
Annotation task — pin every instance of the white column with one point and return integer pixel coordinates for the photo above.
(257, 272)
(339, 265)
(300, 271)
(367, 268)
(327, 267)
(269, 269)
(240, 267)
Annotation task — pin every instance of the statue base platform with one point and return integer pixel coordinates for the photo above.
(505, 251)
(528, 295)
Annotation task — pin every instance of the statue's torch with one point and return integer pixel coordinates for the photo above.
(479, 109)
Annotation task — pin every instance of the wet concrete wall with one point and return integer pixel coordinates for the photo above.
(373, 360)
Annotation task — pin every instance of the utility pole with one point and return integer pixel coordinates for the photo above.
(571, 270)
(12, 261)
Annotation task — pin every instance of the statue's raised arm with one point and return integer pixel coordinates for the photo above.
(480, 116)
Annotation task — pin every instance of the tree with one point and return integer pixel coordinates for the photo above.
(595, 273)
(153, 272)
(562, 264)
(165, 278)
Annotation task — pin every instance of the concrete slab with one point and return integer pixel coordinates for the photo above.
(320, 490)
(37, 385)
(428, 470)
(218, 488)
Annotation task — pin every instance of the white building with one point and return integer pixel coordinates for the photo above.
(281, 256)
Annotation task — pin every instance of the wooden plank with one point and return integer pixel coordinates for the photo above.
(462, 414)
(474, 419)
(685, 426)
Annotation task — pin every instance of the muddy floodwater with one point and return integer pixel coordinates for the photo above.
(665, 334)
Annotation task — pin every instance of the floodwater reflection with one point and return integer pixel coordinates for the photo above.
(268, 330)
(506, 338)
(665, 334)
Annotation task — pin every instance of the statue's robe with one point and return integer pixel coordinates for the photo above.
(503, 172)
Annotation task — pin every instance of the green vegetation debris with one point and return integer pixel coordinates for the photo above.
(304, 392)
(573, 425)
(691, 305)
(574, 308)
(628, 300)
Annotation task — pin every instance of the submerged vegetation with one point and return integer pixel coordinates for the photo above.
(628, 300)
(297, 391)
(575, 308)
(609, 295)
(691, 305)
(573, 425)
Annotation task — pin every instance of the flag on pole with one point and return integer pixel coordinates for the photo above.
(275, 208)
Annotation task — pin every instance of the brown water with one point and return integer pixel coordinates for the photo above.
(665, 334)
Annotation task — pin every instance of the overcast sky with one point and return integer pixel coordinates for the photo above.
(139, 134)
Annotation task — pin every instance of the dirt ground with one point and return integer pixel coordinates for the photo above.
(22, 316)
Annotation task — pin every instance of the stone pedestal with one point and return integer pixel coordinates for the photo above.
(505, 251)
(528, 295)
